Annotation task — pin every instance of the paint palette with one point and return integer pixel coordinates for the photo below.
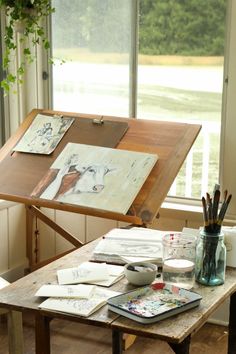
(154, 303)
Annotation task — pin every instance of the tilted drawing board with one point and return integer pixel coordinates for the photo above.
(20, 172)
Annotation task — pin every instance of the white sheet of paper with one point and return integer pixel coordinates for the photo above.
(84, 273)
(3, 283)
(115, 273)
(44, 134)
(67, 291)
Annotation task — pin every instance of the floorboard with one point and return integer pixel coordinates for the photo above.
(74, 338)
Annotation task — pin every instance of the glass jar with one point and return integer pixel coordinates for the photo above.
(179, 259)
(210, 259)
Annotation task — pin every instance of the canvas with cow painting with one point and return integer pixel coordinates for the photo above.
(96, 177)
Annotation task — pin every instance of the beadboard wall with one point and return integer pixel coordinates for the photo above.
(13, 259)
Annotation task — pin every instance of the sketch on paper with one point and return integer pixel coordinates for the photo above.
(44, 134)
(97, 177)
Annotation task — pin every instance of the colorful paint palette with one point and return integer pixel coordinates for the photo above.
(154, 303)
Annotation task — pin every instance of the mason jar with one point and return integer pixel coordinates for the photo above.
(179, 259)
(210, 259)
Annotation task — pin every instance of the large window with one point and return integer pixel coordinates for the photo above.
(153, 59)
(93, 37)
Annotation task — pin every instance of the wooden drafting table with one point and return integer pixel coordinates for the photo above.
(176, 330)
(21, 172)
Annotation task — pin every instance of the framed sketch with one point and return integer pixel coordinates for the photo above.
(97, 177)
(44, 134)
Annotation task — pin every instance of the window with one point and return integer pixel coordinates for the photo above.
(177, 75)
(180, 78)
(93, 37)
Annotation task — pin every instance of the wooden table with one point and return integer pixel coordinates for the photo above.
(176, 330)
(20, 172)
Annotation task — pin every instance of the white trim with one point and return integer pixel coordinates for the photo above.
(5, 204)
(218, 322)
(189, 211)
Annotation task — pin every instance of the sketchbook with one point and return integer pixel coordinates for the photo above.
(120, 246)
(85, 273)
(153, 303)
(92, 273)
(96, 177)
(44, 134)
(81, 307)
(81, 291)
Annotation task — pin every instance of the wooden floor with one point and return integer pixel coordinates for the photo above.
(73, 338)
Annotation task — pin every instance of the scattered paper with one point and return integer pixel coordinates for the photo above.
(66, 291)
(84, 273)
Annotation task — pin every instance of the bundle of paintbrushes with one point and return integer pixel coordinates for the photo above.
(212, 254)
(213, 216)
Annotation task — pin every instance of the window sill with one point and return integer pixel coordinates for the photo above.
(188, 210)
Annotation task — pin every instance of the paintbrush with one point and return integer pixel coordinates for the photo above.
(205, 217)
(209, 211)
(215, 205)
(224, 209)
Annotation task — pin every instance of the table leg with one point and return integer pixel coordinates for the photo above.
(117, 338)
(29, 237)
(232, 325)
(42, 334)
(15, 332)
(183, 347)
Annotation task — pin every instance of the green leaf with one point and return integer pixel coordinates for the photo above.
(27, 51)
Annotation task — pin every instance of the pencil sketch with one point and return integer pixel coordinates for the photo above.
(89, 179)
(44, 134)
(129, 248)
(96, 177)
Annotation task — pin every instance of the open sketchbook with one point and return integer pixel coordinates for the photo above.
(82, 291)
(81, 307)
(96, 177)
(44, 134)
(120, 246)
(153, 303)
(92, 273)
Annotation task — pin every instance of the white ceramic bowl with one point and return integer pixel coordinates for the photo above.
(140, 273)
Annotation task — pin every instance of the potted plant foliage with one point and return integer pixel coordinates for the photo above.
(25, 17)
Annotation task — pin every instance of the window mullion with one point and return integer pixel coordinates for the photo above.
(133, 70)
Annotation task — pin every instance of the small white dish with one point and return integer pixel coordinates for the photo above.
(140, 273)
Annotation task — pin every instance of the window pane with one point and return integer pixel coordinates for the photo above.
(180, 78)
(93, 36)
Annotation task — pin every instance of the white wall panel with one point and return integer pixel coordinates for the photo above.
(47, 236)
(3, 241)
(16, 232)
(169, 224)
(73, 223)
(96, 227)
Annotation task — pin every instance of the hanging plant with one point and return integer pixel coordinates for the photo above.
(25, 17)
